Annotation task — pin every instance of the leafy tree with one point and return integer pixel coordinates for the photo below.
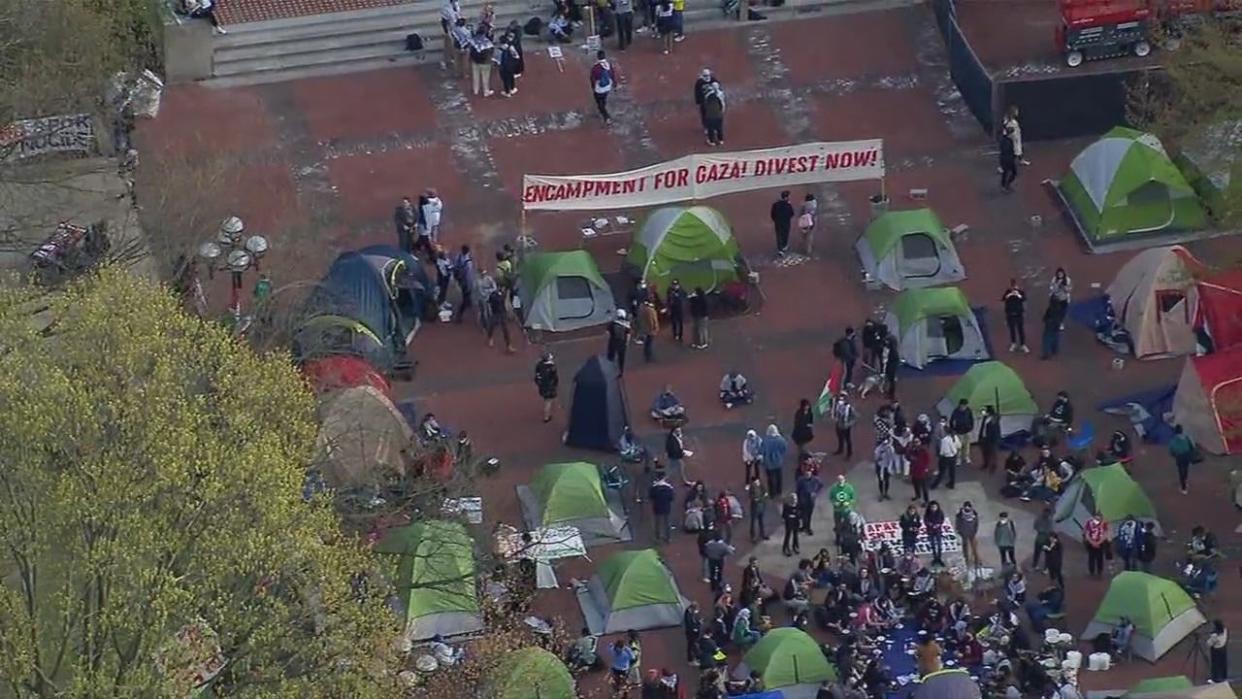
(151, 487)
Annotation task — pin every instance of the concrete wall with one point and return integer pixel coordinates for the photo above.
(187, 50)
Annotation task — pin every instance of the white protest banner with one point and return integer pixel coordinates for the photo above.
(876, 533)
(27, 138)
(705, 175)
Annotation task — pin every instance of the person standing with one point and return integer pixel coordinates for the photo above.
(757, 496)
(675, 307)
(648, 326)
(714, 114)
(622, 659)
(1014, 300)
(1127, 542)
(679, 20)
(481, 53)
(910, 523)
(1182, 450)
(662, 496)
(464, 273)
(807, 487)
(406, 218)
(962, 424)
(920, 469)
(692, 627)
(845, 349)
(1054, 559)
(843, 497)
(803, 433)
(444, 275)
(791, 520)
(498, 316)
(892, 360)
(806, 221)
(430, 213)
(665, 23)
(989, 438)
(625, 23)
(716, 551)
(701, 86)
(508, 64)
(1050, 341)
(949, 451)
(774, 448)
(966, 522)
(676, 452)
(698, 318)
(844, 417)
(933, 522)
(1147, 546)
(1218, 655)
(618, 340)
(885, 465)
(1044, 529)
(752, 454)
(1005, 535)
(1095, 538)
(1008, 161)
(547, 380)
(603, 79)
(782, 216)
(1015, 133)
(1060, 290)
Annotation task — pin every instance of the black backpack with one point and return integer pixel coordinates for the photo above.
(413, 42)
(533, 27)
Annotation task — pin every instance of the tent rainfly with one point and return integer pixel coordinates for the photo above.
(1208, 401)
(786, 657)
(562, 291)
(532, 673)
(1155, 296)
(993, 384)
(694, 245)
(361, 436)
(909, 249)
(1125, 185)
(1219, 317)
(435, 578)
(632, 591)
(597, 415)
(933, 324)
(1108, 490)
(572, 494)
(1162, 613)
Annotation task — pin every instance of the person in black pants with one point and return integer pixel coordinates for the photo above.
(845, 349)
(692, 625)
(618, 340)
(675, 307)
(790, 516)
(625, 22)
(782, 215)
(1014, 299)
(1053, 559)
(892, 360)
(1008, 161)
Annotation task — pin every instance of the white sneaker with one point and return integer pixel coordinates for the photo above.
(220, 30)
(1025, 349)
(1013, 347)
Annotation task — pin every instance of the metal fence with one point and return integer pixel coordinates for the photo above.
(969, 74)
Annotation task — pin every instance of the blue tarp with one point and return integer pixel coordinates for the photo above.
(1087, 312)
(774, 694)
(900, 663)
(1155, 402)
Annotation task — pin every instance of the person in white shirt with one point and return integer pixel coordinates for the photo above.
(430, 212)
(949, 450)
(450, 12)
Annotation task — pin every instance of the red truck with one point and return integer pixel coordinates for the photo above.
(1093, 29)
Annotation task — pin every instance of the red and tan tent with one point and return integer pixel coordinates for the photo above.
(1220, 308)
(1156, 297)
(1208, 402)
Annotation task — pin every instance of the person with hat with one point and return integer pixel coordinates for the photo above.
(701, 86)
(618, 339)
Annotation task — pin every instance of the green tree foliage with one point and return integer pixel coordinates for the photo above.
(151, 485)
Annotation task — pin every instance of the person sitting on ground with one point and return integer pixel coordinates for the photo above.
(734, 390)
(630, 448)
(1202, 544)
(1061, 414)
(1049, 603)
(560, 29)
(834, 614)
(1199, 578)
(1121, 635)
(583, 655)
(429, 429)
(959, 613)
(1015, 589)
(1119, 448)
(821, 569)
(667, 408)
(932, 617)
(743, 635)
(886, 613)
(445, 655)
(796, 595)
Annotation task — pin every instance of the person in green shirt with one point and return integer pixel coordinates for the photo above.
(843, 497)
(1182, 450)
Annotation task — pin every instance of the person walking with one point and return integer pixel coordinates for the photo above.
(885, 458)
(782, 216)
(1095, 538)
(1014, 300)
(948, 451)
(698, 318)
(774, 448)
(676, 452)
(481, 53)
(679, 20)
(806, 221)
(989, 438)
(648, 327)
(662, 495)
(803, 432)
(624, 10)
(757, 496)
(603, 79)
(920, 469)
(692, 627)
(405, 218)
(1054, 559)
(547, 381)
(619, 339)
(619, 672)
(464, 273)
(933, 522)
(966, 522)
(1008, 161)
(498, 317)
(1182, 450)
(701, 85)
(791, 520)
(845, 349)
(675, 307)
(1011, 124)
(714, 114)
(962, 424)
(665, 23)
(717, 550)
(1218, 655)
(844, 417)
(1005, 534)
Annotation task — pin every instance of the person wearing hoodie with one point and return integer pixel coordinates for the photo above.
(962, 423)
(989, 437)
(701, 86)
(603, 79)
(662, 496)
(752, 454)
(933, 523)
(547, 381)
(1043, 530)
(714, 114)
(675, 307)
(508, 63)
(716, 551)
(773, 449)
(966, 522)
(618, 340)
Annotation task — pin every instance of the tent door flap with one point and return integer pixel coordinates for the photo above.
(575, 299)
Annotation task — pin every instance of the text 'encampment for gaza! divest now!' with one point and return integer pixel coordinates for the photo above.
(705, 175)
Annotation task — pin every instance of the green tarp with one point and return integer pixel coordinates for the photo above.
(787, 656)
(570, 491)
(532, 673)
(694, 245)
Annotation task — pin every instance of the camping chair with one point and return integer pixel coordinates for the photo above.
(1079, 441)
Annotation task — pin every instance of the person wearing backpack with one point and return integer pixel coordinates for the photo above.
(1182, 450)
(603, 79)
(481, 51)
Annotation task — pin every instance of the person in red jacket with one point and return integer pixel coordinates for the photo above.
(1095, 538)
(920, 469)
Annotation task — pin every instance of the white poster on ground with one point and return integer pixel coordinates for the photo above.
(705, 175)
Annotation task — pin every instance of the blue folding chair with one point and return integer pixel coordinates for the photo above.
(1079, 441)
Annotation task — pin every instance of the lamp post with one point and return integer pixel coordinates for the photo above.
(233, 251)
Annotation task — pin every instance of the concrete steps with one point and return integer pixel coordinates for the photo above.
(346, 42)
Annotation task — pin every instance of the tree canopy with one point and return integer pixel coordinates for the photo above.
(150, 491)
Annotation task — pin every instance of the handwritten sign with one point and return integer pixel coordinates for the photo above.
(60, 134)
(889, 532)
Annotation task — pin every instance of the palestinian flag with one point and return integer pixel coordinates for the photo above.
(823, 405)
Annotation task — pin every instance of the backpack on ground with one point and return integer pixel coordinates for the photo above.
(533, 27)
(413, 42)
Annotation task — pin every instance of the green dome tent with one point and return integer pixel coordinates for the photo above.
(1124, 185)
(562, 291)
(694, 245)
(909, 249)
(933, 324)
(1108, 490)
(435, 578)
(1178, 687)
(633, 590)
(786, 657)
(572, 494)
(993, 384)
(1162, 613)
(532, 673)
